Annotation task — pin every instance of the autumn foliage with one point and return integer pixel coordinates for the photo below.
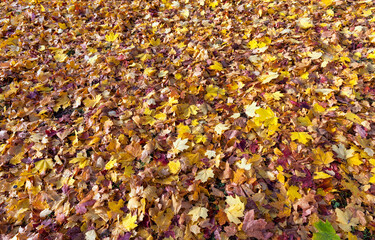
(200, 119)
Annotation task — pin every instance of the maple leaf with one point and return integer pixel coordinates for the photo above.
(346, 219)
(198, 212)
(250, 109)
(81, 159)
(266, 78)
(174, 167)
(163, 219)
(129, 222)
(216, 66)
(253, 228)
(327, 3)
(88, 102)
(325, 231)
(302, 137)
(205, 174)
(115, 207)
(60, 56)
(43, 165)
(321, 175)
(112, 163)
(235, 209)
(321, 157)
(91, 235)
(213, 91)
(305, 23)
(243, 164)
(210, 153)
(293, 193)
(266, 117)
(355, 160)
(220, 128)
(149, 71)
(342, 152)
(180, 145)
(154, 42)
(111, 37)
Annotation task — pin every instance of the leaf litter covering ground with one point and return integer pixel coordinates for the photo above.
(187, 120)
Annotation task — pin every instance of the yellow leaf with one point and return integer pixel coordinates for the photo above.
(345, 219)
(204, 175)
(198, 212)
(250, 109)
(321, 157)
(371, 55)
(305, 121)
(268, 77)
(17, 159)
(92, 60)
(162, 73)
(220, 128)
(321, 175)
(111, 37)
(372, 179)
(129, 222)
(179, 145)
(253, 44)
(112, 163)
(115, 207)
(44, 165)
(178, 76)
(213, 91)
(182, 130)
(305, 76)
(200, 138)
(60, 56)
(62, 26)
(149, 71)
(190, 110)
(277, 95)
(353, 117)
(302, 137)
(315, 55)
(318, 109)
(81, 159)
(174, 167)
(330, 12)
(355, 160)
(266, 117)
(161, 116)
(293, 193)
(342, 152)
(216, 66)
(185, 13)
(351, 236)
(154, 42)
(88, 102)
(94, 140)
(235, 209)
(214, 4)
(324, 91)
(305, 23)
(128, 171)
(327, 3)
(163, 219)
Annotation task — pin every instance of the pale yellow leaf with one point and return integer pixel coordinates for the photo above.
(198, 212)
(205, 174)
